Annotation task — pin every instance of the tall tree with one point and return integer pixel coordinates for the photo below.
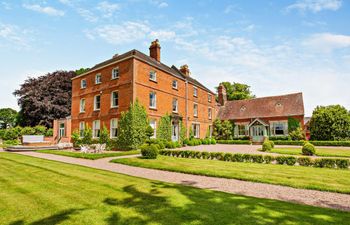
(237, 91)
(330, 123)
(81, 71)
(45, 98)
(8, 117)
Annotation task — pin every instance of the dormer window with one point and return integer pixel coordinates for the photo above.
(174, 84)
(115, 73)
(98, 78)
(153, 75)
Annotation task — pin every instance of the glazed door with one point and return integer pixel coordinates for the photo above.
(257, 132)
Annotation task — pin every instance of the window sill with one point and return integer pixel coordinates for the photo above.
(82, 88)
(98, 83)
(153, 108)
(175, 89)
(115, 107)
(195, 116)
(97, 110)
(116, 78)
(176, 112)
(196, 96)
(81, 112)
(154, 81)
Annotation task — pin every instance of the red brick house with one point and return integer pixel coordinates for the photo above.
(261, 117)
(107, 89)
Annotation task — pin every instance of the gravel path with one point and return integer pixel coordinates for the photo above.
(260, 190)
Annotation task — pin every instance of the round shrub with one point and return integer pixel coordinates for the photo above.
(149, 151)
(305, 161)
(268, 159)
(213, 141)
(272, 144)
(308, 149)
(342, 163)
(266, 146)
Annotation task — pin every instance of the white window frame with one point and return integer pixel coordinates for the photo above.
(273, 128)
(112, 127)
(83, 81)
(95, 103)
(81, 128)
(154, 78)
(96, 130)
(62, 130)
(154, 126)
(112, 99)
(172, 84)
(195, 109)
(209, 97)
(151, 106)
(176, 102)
(195, 91)
(115, 75)
(196, 132)
(98, 78)
(210, 113)
(82, 105)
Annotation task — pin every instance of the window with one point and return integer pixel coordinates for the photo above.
(195, 129)
(82, 105)
(114, 99)
(152, 100)
(83, 84)
(195, 110)
(96, 129)
(279, 128)
(61, 131)
(210, 131)
(175, 105)
(115, 73)
(209, 113)
(174, 84)
(209, 97)
(114, 128)
(153, 75)
(81, 129)
(195, 92)
(241, 130)
(97, 102)
(98, 78)
(153, 124)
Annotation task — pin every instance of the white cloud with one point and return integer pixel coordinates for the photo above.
(162, 35)
(87, 15)
(159, 3)
(126, 32)
(6, 5)
(107, 8)
(315, 5)
(327, 42)
(163, 5)
(229, 9)
(48, 10)
(13, 36)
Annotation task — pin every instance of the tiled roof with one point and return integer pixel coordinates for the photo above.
(273, 106)
(171, 70)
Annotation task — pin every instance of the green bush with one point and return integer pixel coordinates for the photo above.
(257, 158)
(27, 131)
(342, 163)
(325, 163)
(49, 132)
(11, 142)
(297, 134)
(289, 160)
(228, 157)
(205, 155)
(76, 139)
(10, 134)
(104, 136)
(268, 159)
(234, 142)
(219, 156)
(149, 151)
(272, 144)
(213, 141)
(316, 143)
(237, 157)
(282, 142)
(305, 161)
(164, 128)
(87, 139)
(308, 149)
(266, 146)
(186, 141)
(40, 130)
(149, 132)
(279, 138)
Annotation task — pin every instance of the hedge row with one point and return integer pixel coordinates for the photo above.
(253, 158)
(316, 143)
(235, 142)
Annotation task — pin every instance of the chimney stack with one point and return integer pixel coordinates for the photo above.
(184, 69)
(222, 97)
(154, 50)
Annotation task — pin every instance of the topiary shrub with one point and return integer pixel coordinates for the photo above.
(325, 163)
(219, 156)
(305, 161)
(149, 151)
(308, 149)
(205, 155)
(164, 128)
(290, 160)
(268, 159)
(342, 163)
(237, 157)
(266, 146)
(247, 158)
(213, 141)
(227, 156)
(257, 158)
(281, 159)
(272, 144)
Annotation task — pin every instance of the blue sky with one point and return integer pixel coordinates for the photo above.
(277, 47)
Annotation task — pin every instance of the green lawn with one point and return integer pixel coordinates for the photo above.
(329, 152)
(38, 192)
(91, 156)
(295, 176)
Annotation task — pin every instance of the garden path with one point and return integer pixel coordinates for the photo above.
(260, 190)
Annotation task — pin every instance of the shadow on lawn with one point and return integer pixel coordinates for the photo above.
(208, 207)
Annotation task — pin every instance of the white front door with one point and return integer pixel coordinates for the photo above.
(61, 131)
(257, 133)
(175, 132)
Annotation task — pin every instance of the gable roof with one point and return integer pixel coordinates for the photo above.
(143, 57)
(273, 106)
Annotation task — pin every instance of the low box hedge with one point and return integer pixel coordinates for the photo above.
(316, 143)
(255, 158)
(234, 142)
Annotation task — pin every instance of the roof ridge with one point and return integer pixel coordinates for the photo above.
(265, 97)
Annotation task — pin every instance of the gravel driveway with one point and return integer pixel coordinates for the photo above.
(260, 190)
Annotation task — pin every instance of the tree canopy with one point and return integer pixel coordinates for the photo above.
(81, 71)
(330, 123)
(45, 98)
(8, 117)
(237, 91)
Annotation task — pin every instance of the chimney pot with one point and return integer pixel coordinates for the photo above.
(154, 50)
(184, 69)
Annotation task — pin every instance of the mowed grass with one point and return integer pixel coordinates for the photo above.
(334, 180)
(37, 191)
(326, 152)
(91, 156)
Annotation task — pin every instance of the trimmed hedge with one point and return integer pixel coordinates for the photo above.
(235, 142)
(316, 143)
(254, 158)
(149, 151)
